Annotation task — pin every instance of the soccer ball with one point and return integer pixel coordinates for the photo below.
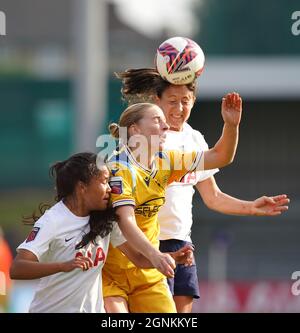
(179, 60)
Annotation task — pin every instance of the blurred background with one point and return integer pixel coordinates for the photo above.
(58, 93)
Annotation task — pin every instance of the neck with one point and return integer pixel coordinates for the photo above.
(76, 206)
(140, 154)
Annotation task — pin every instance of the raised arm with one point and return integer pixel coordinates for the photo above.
(26, 266)
(127, 223)
(224, 150)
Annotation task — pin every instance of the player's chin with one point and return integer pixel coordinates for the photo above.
(161, 145)
(103, 204)
(162, 141)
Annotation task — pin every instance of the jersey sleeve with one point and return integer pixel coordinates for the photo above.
(116, 236)
(203, 175)
(122, 184)
(183, 162)
(40, 237)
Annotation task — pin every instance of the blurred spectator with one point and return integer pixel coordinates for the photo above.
(5, 262)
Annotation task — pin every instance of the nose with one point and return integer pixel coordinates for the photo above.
(165, 126)
(179, 107)
(108, 188)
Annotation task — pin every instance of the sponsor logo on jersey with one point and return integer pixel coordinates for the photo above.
(68, 239)
(114, 171)
(32, 234)
(99, 256)
(150, 208)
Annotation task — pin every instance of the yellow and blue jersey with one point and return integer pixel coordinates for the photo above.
(133, 184)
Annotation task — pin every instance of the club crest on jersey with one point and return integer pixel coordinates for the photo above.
(116, 185)
(147, 180)
(32, 234)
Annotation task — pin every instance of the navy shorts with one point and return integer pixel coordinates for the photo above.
(185, 281)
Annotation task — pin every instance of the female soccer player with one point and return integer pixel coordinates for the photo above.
(138, 182)
(68, 244)
(175, 216)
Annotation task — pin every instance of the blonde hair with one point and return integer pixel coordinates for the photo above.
(132, 115)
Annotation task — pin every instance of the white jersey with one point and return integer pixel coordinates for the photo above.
(53, 239)
(175, 216)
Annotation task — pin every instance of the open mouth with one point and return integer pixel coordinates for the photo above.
(177, 117)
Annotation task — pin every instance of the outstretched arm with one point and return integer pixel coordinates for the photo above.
(224, 150)
(27, 267)
(221, 202)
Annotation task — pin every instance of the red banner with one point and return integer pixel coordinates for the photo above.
(259, 296)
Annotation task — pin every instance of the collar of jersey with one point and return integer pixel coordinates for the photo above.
(133, 160)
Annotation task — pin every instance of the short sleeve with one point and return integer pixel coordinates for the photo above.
(184, 162)
(39, 238)
(116, 236)
(122, 184)
(200, 141)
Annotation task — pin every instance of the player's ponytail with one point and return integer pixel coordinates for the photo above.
(114, 130)
(141, 85)
(144, 85)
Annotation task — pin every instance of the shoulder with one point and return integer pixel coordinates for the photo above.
(196, 135)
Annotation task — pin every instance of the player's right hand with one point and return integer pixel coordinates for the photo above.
(164, 263)
(184, 255)
(81, 262)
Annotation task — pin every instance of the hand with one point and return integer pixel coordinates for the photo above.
(164, 263)
(184, 255)
(232, 109)
(270, 206)
(81, 262)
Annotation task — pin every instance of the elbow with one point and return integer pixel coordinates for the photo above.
(230, 160)
(226, 161)
(12, 272)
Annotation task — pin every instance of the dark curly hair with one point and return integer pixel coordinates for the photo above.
(79, 167)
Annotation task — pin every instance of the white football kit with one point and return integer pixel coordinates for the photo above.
(175, 216)
(53, 239)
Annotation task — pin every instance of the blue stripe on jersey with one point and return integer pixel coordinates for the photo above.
(121, 157)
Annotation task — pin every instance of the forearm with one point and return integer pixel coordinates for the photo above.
(29, 270)
(136, 237)
(226, 204)
(228, 142)
(225, 149)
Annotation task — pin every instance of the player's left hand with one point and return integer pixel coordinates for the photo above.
(184, 255)
(270, 206)
(232, 109)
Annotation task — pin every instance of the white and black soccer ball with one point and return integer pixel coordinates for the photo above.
(179, 60)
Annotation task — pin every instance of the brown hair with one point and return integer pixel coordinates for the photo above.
(130, 116)
(144, 84)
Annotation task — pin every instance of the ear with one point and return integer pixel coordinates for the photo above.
(134, 130)
(81, 187)
(194, 99)
(156, 100)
